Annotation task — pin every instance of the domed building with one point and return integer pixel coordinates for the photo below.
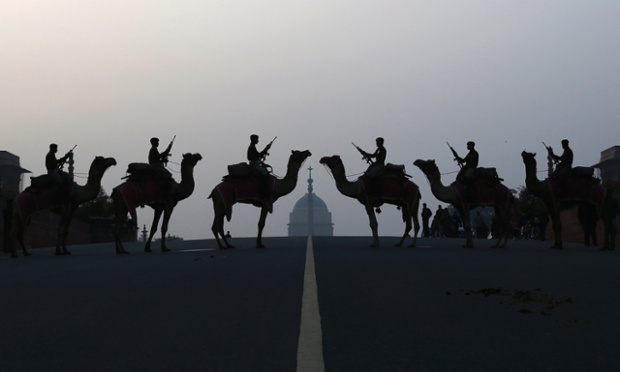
(310, 215)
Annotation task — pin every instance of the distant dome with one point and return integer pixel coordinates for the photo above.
(302, 203)
(299, 218)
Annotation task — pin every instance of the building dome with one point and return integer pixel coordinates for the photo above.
(310, 215)
(303, 203)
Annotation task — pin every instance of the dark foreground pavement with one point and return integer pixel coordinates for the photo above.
(438, 307)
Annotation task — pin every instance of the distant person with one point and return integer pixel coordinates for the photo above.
(458, 225)
(54, 165)
(227, 235)
(436, 229)
(426, 216)
(587, 215)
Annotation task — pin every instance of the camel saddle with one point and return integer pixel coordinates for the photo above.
(45, 181)
(582, 172)
(242, 170)
(487, 174)
(142, 171)
(394, 170)
(239, 170)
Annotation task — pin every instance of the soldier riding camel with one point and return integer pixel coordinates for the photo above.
(563, 164)
(54, 168)
(468, 164)
(258, 167)
(375, 168)
(256, 158)
(470, 173)
(158, 161)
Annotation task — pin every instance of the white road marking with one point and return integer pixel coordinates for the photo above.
(197, 250)
(310, 345)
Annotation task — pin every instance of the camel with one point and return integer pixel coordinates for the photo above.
(486, 193)
(246, 190)
(395, 190)
(132, 193)
(578, 189)
(34, 200)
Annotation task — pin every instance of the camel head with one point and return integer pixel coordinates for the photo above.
(300, 157)
(191, 159)
(331, 161)
(426, 166)
(100, 165)
(529, 158)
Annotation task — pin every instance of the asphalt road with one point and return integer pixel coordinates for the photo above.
(438, 307)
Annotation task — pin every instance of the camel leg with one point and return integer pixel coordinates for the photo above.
(118, 241)
(261, 226)
(218, 231)
(120, 211)
(21, 231)
(609, 235)
(372, 217)
(503, 217)
(164, 229)
(156, 216)
(63, 232)
(17, 234)
(612, 237)
(464, 215)
(557, 230)
(416, 225)
(407, 220)
(217, 228)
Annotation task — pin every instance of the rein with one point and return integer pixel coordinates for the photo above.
(346, 176)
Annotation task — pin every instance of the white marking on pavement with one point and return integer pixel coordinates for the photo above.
(197, 250)
(310, 345)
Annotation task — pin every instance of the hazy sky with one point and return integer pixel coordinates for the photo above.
(108, 75)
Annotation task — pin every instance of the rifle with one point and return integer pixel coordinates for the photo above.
(268, 147)
(456, 156)
(61, 165)
(550, 153)
(167, 152)
(364, 155)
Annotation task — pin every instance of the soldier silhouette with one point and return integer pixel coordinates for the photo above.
(468, 164)
(258, 167)
(376, 167)
(564, 162)
(54, 165)
(256, 158)
(158, 161)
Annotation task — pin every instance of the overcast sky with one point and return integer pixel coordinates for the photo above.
(108, 75)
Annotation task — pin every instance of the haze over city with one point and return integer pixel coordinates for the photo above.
(108, 76)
